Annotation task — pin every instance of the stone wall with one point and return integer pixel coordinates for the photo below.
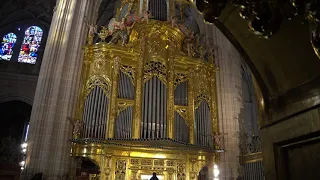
(290, 136)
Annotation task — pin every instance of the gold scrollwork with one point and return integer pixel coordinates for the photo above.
(120, 173)
(123, 104)
(181, 170)
(182, 110)
(200, 98)
(99, 81)
(179, 78)
(98, 62)
(153, 68)
(129, 71)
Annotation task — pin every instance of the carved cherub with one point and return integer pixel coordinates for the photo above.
(190, 40)
(92, 27)
(77, 126)
(146, 16)
(121, 31)
(174, 22)
(217, 138)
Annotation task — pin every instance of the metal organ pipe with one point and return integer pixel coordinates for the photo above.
(203, 125)
(181, 94)
(181, 128)
(125, 87)
(95, 114)
(154, 110)
(158, 9)
(123, 122)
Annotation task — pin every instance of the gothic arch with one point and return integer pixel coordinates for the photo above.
(16, 96)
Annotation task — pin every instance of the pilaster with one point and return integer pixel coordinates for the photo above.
(170, 100)
(113, 97)
(191, 107)
(213, 92)
(138, 96)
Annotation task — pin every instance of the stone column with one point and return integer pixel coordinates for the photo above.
(229, 86)
(57, 90)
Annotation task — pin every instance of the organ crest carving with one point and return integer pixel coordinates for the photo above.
(154, 68)
(129, 71)
(98, 81)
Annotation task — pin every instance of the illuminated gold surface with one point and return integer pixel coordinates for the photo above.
(154, 49)
(143, 161)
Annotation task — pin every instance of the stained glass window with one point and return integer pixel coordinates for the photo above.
(7, 45)
(30, 46)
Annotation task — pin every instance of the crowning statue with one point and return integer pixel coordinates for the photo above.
(92, 30)
(119, 30)
(146, 16)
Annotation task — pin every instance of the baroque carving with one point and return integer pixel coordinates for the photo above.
(123, 104)
(99, 64)
(129, 71)
(181, 171)
(179, 78)
(154, 68)
(182, 110)
(120, 173)
(99, 81)
(200, 98)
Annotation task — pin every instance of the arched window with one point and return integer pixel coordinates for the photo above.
(7, 45)
(30, 46)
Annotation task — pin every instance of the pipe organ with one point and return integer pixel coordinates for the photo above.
(146, 106)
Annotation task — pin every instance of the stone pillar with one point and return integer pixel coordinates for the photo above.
(57, 90)
(228, 78)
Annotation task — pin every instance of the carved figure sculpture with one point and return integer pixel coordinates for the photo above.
(119, 30)
(217, 139)
(146, 16)
(77, 126)
(92, 30)
(174, 22)
(190, 40)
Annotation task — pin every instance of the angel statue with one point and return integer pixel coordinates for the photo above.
(92, 30)
(217, 138)
(174, 22)
(77, 126)
(146, 16)
(189, 41)
(119, 30)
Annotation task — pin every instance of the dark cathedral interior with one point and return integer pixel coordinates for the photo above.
(159, 89)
